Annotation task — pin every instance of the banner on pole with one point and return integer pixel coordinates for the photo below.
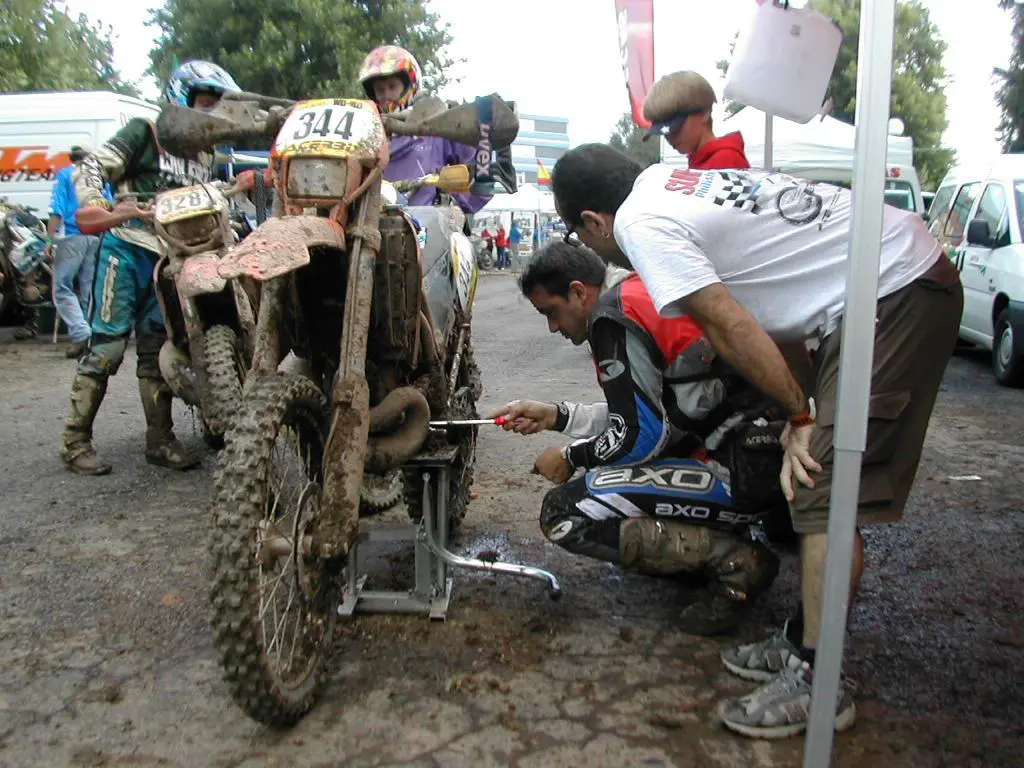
(635, 19)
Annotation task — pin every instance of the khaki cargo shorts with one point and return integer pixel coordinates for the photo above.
(915, 333)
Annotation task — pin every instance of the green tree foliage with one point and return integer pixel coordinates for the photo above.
(297, 48)
(1010, 85)
(918, 80)
(628, 137)
(42, 48)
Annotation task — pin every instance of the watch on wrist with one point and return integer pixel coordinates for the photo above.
(807, 416)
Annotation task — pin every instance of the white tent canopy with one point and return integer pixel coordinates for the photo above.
(528, 198)
(822, 149)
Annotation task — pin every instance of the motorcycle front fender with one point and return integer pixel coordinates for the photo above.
(279, 246)
(199, 275)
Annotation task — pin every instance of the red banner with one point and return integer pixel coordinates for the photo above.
(635, 20)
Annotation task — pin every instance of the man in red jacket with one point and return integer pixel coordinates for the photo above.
(679, 108)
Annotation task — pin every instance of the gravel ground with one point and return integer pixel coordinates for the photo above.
(106, 658)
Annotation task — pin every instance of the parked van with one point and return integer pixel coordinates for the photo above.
(977, 217)
(37, 130)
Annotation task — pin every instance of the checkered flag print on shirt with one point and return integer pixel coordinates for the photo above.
(737, 191)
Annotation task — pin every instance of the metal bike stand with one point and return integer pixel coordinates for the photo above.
(432, 591)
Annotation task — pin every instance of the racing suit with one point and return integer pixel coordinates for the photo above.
(676, 435)
(124, 295)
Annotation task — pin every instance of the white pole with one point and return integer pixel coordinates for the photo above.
(769, 140)
(873, 92)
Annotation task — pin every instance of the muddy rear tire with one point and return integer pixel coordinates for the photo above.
(225, 373)
(253, 520)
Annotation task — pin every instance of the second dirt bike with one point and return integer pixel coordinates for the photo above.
(210, 321)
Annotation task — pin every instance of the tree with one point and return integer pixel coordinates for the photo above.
(297, 48)
(42, 48)
(918, 79)
(628, 137)
(1010, 86)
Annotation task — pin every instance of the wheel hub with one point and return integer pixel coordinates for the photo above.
(1006, 347)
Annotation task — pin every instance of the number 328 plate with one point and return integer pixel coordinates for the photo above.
(331, 128)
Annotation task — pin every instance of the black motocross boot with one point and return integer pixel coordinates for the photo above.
(162, 447)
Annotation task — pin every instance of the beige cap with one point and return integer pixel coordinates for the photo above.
(674, 98)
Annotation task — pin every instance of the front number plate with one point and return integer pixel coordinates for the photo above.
(185, 203)
(330, 128)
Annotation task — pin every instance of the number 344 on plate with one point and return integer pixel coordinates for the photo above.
(333, 121)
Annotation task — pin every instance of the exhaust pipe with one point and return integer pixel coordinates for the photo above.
(405, 415)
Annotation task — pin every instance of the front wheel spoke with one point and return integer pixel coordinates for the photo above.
(279, 624)
(270, 598)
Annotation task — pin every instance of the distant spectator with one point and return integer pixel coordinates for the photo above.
(679, 108)
(501, 242)
(74, 259)
(515, 237)
(488, 240)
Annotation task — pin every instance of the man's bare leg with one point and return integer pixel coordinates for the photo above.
(813, 552)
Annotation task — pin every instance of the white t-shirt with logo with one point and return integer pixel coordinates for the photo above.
(777, 242)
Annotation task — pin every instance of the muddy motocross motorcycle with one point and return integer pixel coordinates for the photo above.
(376, 299)
(210, 321)
(25, 270)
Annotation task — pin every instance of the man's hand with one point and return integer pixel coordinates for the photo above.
(797, 459)
(527, 417)
(552, 465)
(129, 209)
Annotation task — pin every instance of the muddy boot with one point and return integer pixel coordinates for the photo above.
(162, 447)
(25, 333)
(76, 349)
(663, 547)
(76, 449)
(740, 571)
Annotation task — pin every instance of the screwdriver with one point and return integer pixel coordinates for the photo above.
(469, 422)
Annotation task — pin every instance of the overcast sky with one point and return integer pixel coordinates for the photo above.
(560, 57)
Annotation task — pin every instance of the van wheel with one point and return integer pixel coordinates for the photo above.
(1007, 362)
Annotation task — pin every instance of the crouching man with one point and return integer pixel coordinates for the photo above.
(678, 461)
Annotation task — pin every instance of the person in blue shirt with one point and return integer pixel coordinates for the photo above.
(74, 259)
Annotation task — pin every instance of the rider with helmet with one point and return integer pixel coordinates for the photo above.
(391, 76)
(124, 295)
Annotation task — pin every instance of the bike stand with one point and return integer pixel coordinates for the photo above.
(433, 586)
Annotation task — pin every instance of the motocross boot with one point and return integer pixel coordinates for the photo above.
(739, 570)
(162, 447)
(76, 444)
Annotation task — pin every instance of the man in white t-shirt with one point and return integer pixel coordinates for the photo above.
(758, 259)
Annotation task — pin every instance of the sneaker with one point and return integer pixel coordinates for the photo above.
(763, 661)
(781, 708)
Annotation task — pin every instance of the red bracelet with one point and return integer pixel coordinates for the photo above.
(806, 416)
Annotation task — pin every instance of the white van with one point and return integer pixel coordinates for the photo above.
(37, 130)
(976, 216)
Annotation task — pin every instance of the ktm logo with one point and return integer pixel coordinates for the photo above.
(30, 164)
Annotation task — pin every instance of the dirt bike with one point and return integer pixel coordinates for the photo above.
(382, 321)
(210, 321)
(25, 269)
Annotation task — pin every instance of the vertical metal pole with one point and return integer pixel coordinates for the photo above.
(873, 91)
(443, 491)
(424, 555)
(769, 140)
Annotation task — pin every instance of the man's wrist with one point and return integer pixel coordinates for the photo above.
(561, 420)
(805, 417)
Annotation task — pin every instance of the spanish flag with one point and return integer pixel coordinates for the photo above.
(543, 177)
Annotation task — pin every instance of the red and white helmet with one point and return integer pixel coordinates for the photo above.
(390, 60)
